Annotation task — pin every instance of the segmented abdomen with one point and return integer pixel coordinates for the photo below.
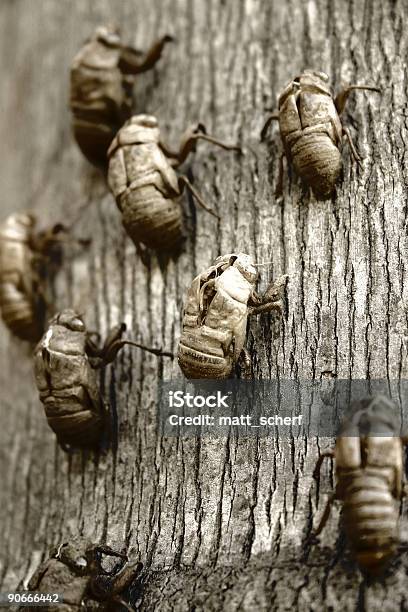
(21, 305)
(69, 393)
(73, 422)
(201, 355)
(317, 160)
(97, 107)
(151, 218)
(370, 517)
(21, 315)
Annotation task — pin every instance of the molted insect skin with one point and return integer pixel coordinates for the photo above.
(68, 384)
(370, 517)
(369, 471)
(215, 317)
(75, 571)
(318, 161)
(102, 77)
(311, 131)
(145, 185)
(21, 305)
(99, 98)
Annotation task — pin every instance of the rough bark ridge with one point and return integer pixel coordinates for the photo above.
(218, 524)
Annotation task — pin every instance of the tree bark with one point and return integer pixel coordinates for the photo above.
(220, 524)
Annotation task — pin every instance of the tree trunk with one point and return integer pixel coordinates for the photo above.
(220, 524)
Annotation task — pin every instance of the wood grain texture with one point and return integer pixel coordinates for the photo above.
(219, 524)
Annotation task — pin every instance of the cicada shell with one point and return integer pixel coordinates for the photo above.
(75, 571)
(102, 76)
(215, 315)
(312, 131)
(146, 187)
(68, 384)
(65, 366)
(369, 481)
(22, 302)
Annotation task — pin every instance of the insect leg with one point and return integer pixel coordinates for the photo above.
(245, 363)
(183, 180)
(155, 351)
(48, 242)
(342, 97)
(256, 310)
(125, 110)
(353, 149)
(276, 289)
(272, 299)
(325, 515)
(318, 467)
(104, 549)
(189, 141)
(131, 63)
(273, 117)
(207, 285)
(109, 590)
(215, 141)
(35, 580)
(125, 578)
(113, 344)
(115, 334)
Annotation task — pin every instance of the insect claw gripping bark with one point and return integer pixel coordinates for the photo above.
(272, 299)
(369, 481)
(65, 363)
(216, 310)
(144, 182)
(312, 131)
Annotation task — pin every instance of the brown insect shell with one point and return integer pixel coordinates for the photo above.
(98, 97)
(369, 482)
(212, 342)
(22, 308)
(75, 570)
(311, 131)
(145, 185)
(54, 576)
(67, 383)
(66, 572)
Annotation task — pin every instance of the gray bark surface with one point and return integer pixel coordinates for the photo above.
(219, 524)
